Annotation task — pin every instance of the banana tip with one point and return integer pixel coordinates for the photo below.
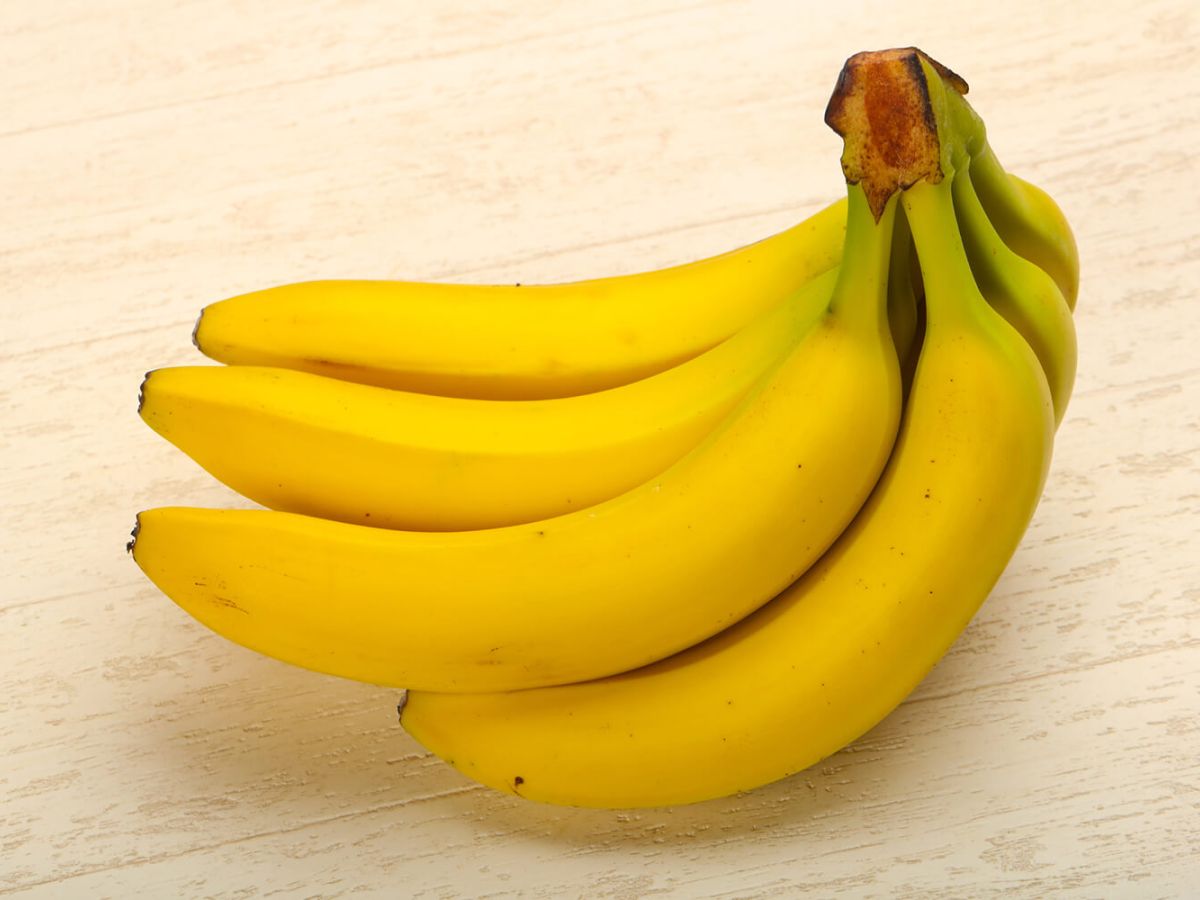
(403, 702)
(133, 535)
(142, 391)
(196, 332)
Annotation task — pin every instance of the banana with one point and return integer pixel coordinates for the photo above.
(836, 652)
(518, 342)
(356, 453)
(1021, 292)
(587, 594)
(839, 649)
(1030, 222)
(1026, 217)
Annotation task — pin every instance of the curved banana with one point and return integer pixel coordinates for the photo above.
(1026, 217)
(1030, 222)
(1020, 291)
(837, 651)
(524, 342)
(587, 594)
(356, 453)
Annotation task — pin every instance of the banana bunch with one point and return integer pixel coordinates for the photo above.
(657, 538)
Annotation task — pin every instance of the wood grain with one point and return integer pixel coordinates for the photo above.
(157, 156)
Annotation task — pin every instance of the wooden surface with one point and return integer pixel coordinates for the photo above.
(155, 156)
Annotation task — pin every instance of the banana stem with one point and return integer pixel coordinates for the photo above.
(950, 288)
(1025, 295)
(993, 185)
(860, 295)
(890, 108)
(986, 250)
(907, 129)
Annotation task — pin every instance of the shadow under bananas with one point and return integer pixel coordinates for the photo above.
(253, 739)
(248, 738)
(800, 813)
(854, 794)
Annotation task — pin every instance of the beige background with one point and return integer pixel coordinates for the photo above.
(155, 156)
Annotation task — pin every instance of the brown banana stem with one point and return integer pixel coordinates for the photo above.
(888, 115)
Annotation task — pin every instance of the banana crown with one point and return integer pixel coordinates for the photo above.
(890, 108)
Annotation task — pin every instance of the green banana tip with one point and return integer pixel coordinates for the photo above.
(885, 110)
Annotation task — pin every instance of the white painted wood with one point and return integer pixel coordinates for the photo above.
(156, 156)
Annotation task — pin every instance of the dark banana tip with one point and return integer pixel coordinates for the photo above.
(403, 702)
(137, 526)
(142, 390)
(196, 332)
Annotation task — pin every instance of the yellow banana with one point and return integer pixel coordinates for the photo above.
(840, 648)
(356, 453)
(586, 594)
(837, 651)
(518, 342)
(1020, 291)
